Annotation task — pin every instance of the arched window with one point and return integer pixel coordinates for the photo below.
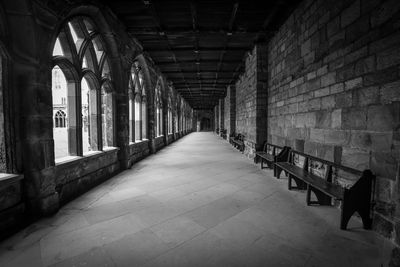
(159, 110)
(182, 115)
(82, 89)
(137, 104)
(3, 150)
(170, 131)
(107, 114)
(178, 114)
(60, 119)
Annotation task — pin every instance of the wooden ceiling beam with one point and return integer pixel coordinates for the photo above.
(231, 23)
(200, 49)
(193, 12)
(194, 71)
(152, 9)
(198, 62)
(189, 31)
(203, 83)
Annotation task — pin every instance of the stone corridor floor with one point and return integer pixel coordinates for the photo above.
(197, 202)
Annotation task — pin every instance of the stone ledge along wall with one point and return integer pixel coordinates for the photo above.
(334, 91)
(251, 100)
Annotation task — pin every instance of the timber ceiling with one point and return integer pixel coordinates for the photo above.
(200, 45)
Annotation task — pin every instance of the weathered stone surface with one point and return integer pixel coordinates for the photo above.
(323, 119)
(384, 118)
(352, 84)
(337, 137)
(328, 79)
(365, 65)
(10, 195)
(350, 14)
(366, 96)
(321, 92)
(382, 76)
(355, 158)
(395, 257)
(336, 88)
(385, 164)
(390, 92)
(384, 12)
(336, 119)
(388, 58)
(383, 225)
(356, 56)
(354, 118)
(320, 150)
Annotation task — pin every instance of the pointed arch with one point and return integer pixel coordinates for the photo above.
(82, 55)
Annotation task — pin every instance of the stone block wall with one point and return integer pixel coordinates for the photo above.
(251, 100)
(221, 116)
(334, 91)
(170, 138)
(26, 126)
(230, 110)
(216, 117)
(138, 151)
(77, 176)
(3, 163)
(159, 141)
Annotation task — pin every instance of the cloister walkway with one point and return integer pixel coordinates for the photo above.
(197, 202)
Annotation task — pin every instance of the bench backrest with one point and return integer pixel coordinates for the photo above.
(271, 149)
(280, 153)
(240, 137)
(332, 172)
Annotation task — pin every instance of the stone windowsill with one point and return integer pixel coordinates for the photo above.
(90, 154)
(138, 142)
(8, 178)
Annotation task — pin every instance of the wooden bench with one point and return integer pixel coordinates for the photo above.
(237, 141)
(328, 180)
(271, 154)
(223, 133)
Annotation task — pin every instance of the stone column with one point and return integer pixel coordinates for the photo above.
(221, 115)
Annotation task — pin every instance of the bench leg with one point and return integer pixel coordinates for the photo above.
(308, 196)
(300, 185)
(350, 206)
(323, 199)
(365, 216)
(269, 165)
(262, 163)
(345, 215)
(278, 172)
(289, 182)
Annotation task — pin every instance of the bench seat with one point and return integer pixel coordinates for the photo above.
(316, 175)
(333, 190)
(237, 141)
(265, 155)
(271, 154)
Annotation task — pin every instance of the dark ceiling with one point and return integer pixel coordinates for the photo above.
(200, 45)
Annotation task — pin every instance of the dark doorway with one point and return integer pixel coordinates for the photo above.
(205, 124)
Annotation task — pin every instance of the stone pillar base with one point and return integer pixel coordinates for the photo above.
(44, 206)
